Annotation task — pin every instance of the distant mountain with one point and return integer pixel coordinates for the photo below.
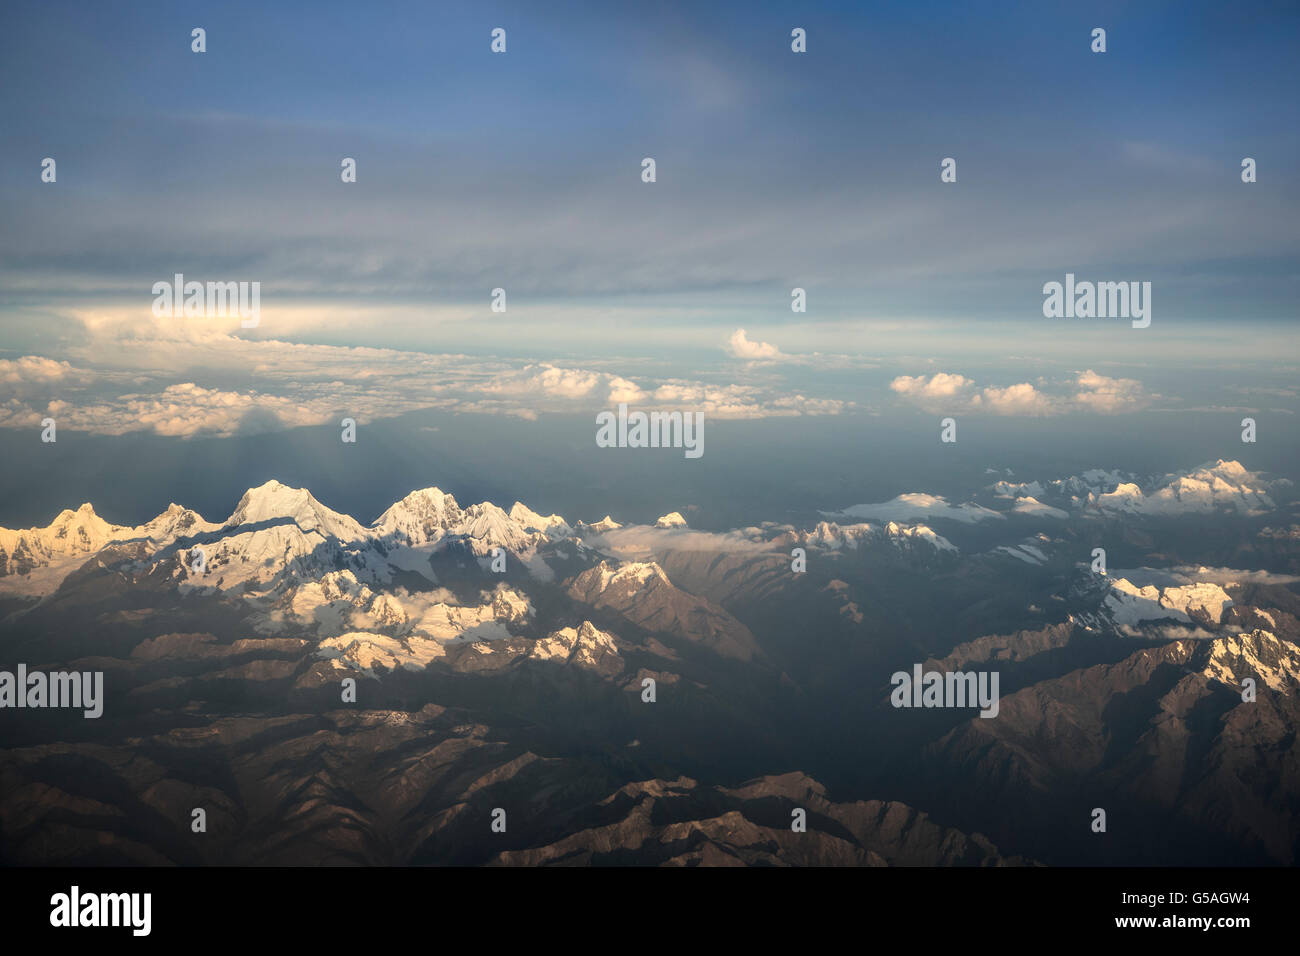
(680, 823)
(1163, 731)
(642, 594)
(1213, 487)
(673, 695)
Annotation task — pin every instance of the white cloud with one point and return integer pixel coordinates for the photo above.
(546, 380)
(184, 380)
(35, 370)
(1109, 395)
(937, 386)
(1086, 392)
(741, 347)
(622, 390)
(185, 410)
(1022, 399)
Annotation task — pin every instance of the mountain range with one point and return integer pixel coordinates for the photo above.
(665, 693)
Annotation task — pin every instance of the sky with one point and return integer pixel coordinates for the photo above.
(523, 171)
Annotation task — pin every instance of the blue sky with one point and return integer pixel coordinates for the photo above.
(522, 171)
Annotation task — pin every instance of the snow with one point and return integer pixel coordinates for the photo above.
(1128, 605)
(828, 534)
(273, 502)
(1032, 506)
(80, 532)
(552, 526)
(1126, 497)
(1210, 598)
(419, 518)
(176, 522)
(671, 520)
(363, 650)
(1259, 654)
(1023, 552)
(51, 553)
(427, 520)
(1212, 487)
(1010, 489)
(279, 533)
(584, 645)
(918, 505)
(632, 576)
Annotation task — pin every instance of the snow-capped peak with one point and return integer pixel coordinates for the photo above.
(673, 519)
(914, 505)
(77, 532)
(422, 516)
(73, 524)
(552, 525)
(631, 576)
(273, 502)
(176, 522)
(585, 645)
(1213, 486)
(1258, 653)
(1127, 605)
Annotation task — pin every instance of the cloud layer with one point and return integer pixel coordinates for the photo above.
(183, 378)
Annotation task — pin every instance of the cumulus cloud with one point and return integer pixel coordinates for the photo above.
(1022, 399)
(35, 370)
(546, 380)
(1109, 395)
(185, 410)
(939, 385)
(624, 391)
(1086, 392)
(741, 347)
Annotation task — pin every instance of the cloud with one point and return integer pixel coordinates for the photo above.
(1109, 395)
(623, 391)
(644, 542)
(1087, 392)
(737, 401)
(183, 380)
(1022, 399)
(547, 380)
(185, 410)
(34, 370)
(939, 385)
(741, 347)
